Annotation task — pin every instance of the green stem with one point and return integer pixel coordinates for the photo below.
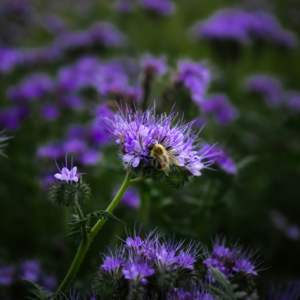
(86, 243)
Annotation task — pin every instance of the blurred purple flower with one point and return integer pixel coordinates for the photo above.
(220, 108)
(30, 270)
(51, 151)
(154, 66)
(267, 86)
(11, 117)
(31, 88)
(90, 157)
(131, 198)
(242, 26)
(158, 7)
(195, 77)
(7, 273)
(50, 112)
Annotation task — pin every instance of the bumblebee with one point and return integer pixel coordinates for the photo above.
(163, 159)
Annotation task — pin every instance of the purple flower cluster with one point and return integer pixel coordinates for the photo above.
(162, 8)
(110, 78)
(195, 77)
(139, 258)
(154, 66)
(159, 7)
(131, 198)
(243, 27)
(103, 34)
(271, 89)
(33, 87)
(220, 108)
(230, 261)
(29, 270)
(155, 141)
(221, 158)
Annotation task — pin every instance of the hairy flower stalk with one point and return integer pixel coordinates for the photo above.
(87, 241)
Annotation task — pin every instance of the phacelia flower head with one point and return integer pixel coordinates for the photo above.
(131, 198)
(230, 261)
(137, 271)
(195, 77)
(7, 273)
(155, 142)
(67, 175)
(220, 108)
(158, 7)
(30, 270)
(112, 263)
(267, 86)
(154, 66)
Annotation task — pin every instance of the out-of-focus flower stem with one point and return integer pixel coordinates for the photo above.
(86, 243)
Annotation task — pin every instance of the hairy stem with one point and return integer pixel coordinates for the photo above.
(86, 243)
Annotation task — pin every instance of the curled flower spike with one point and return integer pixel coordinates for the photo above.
(157, 142)
(67, 175)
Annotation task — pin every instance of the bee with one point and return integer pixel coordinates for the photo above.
(163, 159)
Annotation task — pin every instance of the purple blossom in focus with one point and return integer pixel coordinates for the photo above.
(137, 271)
(112, 264)
(229, 261)
(158, 7)
(138, 132)
(195, 77)
(131, 198)
(67, 175)
(220, 108)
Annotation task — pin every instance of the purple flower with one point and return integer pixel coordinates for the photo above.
(225, 24)
(154, 66)
(131, 198)
(137, 271)
(242, 26)
(158, 7)
(230, 261)
(111, 264)
(292, 101)
(7, 274)
(74, 145)
(50, 112)
(31, 88)
(9, 59)
(134, 242)
(185, 260)
(52, 151)
(150, 141)
(267, 86)
(221, 109)
(90, 157)
(30, 270)
(124, 6)
(221, 158)
(11, 117)
(195, 77)
(67, 175)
